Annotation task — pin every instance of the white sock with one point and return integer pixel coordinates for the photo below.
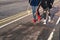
(44, 21)
(49, 20)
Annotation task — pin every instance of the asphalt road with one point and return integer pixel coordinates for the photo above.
(24, 29)
(12, 7)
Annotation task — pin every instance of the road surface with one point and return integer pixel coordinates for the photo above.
(12, 7)
(24, 29)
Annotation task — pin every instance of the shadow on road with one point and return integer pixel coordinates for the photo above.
(54, 11)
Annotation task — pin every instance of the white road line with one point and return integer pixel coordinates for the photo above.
(13, 21)
(58, 21)
(51, 35)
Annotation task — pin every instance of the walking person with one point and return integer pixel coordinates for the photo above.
(34, 5)
(46, 5)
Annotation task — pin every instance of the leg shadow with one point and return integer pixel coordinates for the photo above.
(53, 11)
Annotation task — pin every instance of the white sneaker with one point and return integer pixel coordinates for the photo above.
(49, 20)
(44, 21)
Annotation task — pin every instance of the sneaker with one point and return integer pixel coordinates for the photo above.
(39, 18)
(34, 21)
(44, 21)
(49, 20)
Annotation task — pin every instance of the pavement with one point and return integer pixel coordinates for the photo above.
(24, 29)
(12, 7)
(56, 34)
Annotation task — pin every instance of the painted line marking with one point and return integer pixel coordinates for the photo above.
(51, 35)
(58, 21)
(14, 21)
(13, 17)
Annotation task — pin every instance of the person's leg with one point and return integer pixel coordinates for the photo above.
(38, 15)
(44, 15)
(34, 8)
(49, 15)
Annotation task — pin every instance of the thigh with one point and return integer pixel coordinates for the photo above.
(34, 8)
